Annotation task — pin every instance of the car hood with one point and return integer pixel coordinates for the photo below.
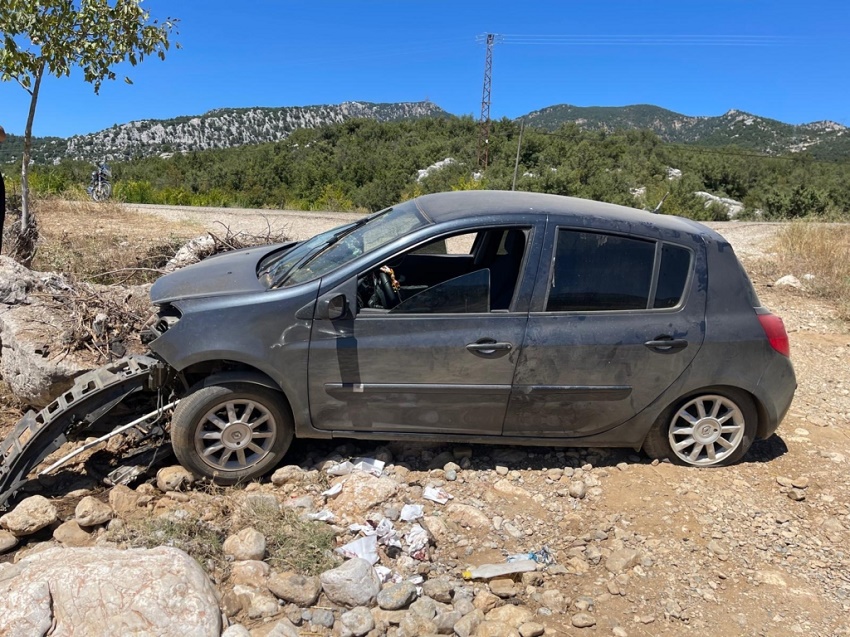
(220, 275)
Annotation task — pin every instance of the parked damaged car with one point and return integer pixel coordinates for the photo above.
(476, 317)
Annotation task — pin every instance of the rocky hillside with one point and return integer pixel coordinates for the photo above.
(823, 139)
(219, 128)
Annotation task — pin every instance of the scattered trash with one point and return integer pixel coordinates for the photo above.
(322, 516)
(411, 512)
(489, 571)
(386, 574)
(365, 547)
(543, 556)
(436, 495)
(417, 542)
(370, 465)
(334, 490)
(341, 469)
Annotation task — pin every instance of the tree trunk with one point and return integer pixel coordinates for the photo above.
(25, 162)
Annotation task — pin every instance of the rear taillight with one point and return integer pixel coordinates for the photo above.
(774, 329)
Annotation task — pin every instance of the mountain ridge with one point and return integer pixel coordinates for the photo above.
(227, 127)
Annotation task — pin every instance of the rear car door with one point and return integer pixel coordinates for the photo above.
(615, 319)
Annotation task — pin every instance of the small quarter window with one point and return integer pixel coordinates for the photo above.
(596, 272)
(675, 265)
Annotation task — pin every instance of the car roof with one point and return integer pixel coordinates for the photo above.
(449, 206)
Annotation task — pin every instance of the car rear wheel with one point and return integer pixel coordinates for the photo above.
(231, 432)
(714, 427)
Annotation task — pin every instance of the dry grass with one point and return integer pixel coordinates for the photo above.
(822, 250)
(104, 243)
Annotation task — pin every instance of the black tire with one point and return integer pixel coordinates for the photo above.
(211, 440)
(706, 414)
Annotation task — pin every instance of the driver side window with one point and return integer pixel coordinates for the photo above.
(468, 273)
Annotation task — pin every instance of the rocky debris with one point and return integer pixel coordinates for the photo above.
(397, 596)
(7, 542)
(103, 591)
(70, 533)
(732, 207)
(92, 512)
(583, 620)
(173, 478)
(357, 622)
(247, 544)
(354, 583)
(31, 515)
(788, 281)
(297, 589)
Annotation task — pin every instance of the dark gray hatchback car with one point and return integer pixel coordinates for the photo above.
(482, 317)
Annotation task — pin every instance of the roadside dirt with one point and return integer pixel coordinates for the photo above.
(760, 548)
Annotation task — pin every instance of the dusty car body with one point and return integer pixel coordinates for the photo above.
(480, 317)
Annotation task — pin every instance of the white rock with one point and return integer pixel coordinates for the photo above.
(91, 512)
(354, 583)
(31, 515)
(788, 281)
(248, 544)
(102, 592)
(173, 478)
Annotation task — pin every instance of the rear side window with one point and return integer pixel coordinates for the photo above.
(596, 272)
(672, 275)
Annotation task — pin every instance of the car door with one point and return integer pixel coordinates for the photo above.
(442, 361)
(615, 319)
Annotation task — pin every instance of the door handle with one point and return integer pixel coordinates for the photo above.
(488, 347)
(665, 344)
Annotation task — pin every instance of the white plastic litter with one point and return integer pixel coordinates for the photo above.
(489, 571)
(341, 469)
(436, 495)
(334, 490)
(370, 465)
(411, 512)
(365, 547)
(417, 542)
(386, 574)
(322, 516)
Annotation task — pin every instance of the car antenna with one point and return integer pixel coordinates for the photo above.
(658, 207)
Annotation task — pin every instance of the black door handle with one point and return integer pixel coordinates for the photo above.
(487, 347)
(665, 344)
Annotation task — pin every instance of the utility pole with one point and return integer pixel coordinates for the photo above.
(518, 146)
(484, 123)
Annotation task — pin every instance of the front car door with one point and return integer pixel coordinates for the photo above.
(441, 358)
(615, 319)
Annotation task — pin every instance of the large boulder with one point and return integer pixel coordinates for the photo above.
(103, 592)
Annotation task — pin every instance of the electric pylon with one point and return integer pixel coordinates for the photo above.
(484, 124)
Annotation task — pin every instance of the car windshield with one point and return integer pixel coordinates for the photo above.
(278, 265)
(342, 246)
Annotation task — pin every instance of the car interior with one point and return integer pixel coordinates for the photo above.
(440, 278)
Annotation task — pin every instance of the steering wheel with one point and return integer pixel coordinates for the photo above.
(386, 287)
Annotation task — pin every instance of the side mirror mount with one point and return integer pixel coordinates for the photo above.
(332, 308)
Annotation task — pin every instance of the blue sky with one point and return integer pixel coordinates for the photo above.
(794, 66)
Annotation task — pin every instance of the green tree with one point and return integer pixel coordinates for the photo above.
(52, 37)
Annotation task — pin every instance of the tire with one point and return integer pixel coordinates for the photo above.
(713, 427)
(211, 440)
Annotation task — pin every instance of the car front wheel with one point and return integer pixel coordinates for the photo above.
(231, 432)
(714, 427)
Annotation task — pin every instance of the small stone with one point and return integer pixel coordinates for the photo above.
(798, 495)
(801, 483)
(501, 470)
(503, 587)
(236, 630)
(451, 475)
(322, 617)
(123, 500)
(288, 474)
(173, 478)
(301, 590)
(446, 621)
(531, 629)
(485, 601)
(354, 583)
(509, 614)
(92, 512)
(468, 624)
(413, 625)
(788, 281)
(554, 600)
(622, 466)
(358, 620)
(782, 481)
(621, 560)
(620, 632)
(646, 619)
(31, 515)
(397, 596)
(583, 620)
(7, 542)
(438, 589)
(249, 572)
(248, 544)
(70, 534)
(578, 489)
